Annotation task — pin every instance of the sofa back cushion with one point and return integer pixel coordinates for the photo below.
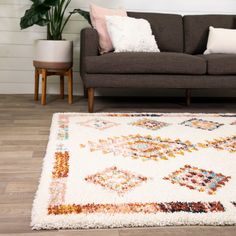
(196, 30)
(167, 29)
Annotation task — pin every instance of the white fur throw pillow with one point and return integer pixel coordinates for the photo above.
(130, 34)
(221, 41)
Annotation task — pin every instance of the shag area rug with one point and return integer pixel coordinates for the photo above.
(138, 169)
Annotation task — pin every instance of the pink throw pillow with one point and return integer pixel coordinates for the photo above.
(97, 15)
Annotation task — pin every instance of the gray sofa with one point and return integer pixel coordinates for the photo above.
(180, 64)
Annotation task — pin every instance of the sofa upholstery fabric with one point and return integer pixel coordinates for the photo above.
(145, 63)
(196, 29)
(89, 44)
(220, 64)
(159, 81)
(167, 28)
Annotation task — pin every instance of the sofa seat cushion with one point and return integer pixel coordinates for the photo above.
(220, 64)
(145, 63)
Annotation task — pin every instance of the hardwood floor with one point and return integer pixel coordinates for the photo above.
(24, 130)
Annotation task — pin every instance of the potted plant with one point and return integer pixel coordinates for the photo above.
(51, 13)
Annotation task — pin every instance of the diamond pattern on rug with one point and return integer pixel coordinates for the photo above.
(99, 124)
(227, 144)
(143, 147)
(202, 124)
(120, 181)
(149, 124)
(198, 179)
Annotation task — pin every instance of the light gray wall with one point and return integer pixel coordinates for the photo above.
(16, 52)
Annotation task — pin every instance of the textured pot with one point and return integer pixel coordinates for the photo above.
(53, 54)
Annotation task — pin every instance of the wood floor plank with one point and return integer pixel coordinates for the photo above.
(17, 197)
(20, 142)
(24, 130)
(13, 228)
(69, 233)
(39, 154)
(19, 169)
(25, 176)
(23, 137)
(2, 187)
(9, 210)
(12, 155)
(183, 231)
(8, 147)
(20, 187)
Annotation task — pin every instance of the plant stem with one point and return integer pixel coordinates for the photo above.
(55, 17)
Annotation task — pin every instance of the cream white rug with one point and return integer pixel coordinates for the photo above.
(126, 170)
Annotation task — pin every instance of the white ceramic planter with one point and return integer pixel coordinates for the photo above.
(53, 54)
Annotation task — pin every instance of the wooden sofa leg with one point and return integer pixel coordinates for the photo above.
(90, 100)
(188, 97)
(85, 92)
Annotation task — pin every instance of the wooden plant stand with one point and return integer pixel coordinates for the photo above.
(48, 72)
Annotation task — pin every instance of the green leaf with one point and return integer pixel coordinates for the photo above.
(83, 13)
(45, 2)
(34, 15)
(42, 22)
(51, 2)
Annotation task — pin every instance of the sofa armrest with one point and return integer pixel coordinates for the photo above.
(89, 46)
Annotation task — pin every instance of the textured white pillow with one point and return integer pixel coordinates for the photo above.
(221, 41)
(130, 34)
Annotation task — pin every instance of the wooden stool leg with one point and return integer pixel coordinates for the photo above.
(62, 86)
(70, 86)
(44, 86)
(36, 85)
(188, 97)
(90, 99)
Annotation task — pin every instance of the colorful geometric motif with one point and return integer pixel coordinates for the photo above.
(132, 114)
(61, 148)
(198, 179)
(63, 127)
(202, 124)
(120, 181)
(57, 188)
(57, 191)
(129, 208)
(149, 124)
(99, 124)
(61, 166)
(227, 144)
(143, 147)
